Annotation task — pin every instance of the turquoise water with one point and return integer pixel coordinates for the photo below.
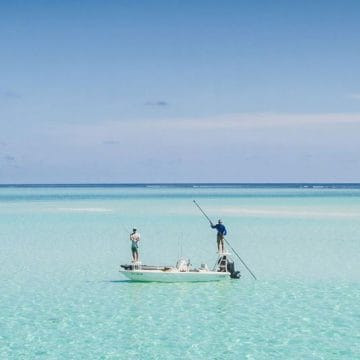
(62, 297)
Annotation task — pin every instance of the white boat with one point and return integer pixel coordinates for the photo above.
(182, 272)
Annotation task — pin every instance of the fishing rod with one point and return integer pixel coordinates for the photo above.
(247, 268)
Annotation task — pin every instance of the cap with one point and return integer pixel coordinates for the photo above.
(219, 221)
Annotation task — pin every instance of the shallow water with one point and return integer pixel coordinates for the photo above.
(62, 296)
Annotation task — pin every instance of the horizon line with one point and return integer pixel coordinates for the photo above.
(173, 183)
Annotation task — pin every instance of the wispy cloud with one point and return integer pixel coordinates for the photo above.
(157, 103)
(111, 142)
(9, 94)
(108, 133)
(9, 161)
(354, 96)
(260, 120)
(9, 158)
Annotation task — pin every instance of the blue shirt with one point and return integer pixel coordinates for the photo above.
(220, 229)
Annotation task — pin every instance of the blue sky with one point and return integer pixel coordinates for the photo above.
(179, 91)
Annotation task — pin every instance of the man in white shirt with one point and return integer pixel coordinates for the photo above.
(135, 238)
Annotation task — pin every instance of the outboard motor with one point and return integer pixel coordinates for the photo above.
(225, 263)
(231, 269)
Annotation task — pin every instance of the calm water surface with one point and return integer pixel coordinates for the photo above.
(61, 296)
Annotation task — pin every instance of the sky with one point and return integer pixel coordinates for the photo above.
(179, 91)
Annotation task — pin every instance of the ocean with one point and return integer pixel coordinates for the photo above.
(62, 297)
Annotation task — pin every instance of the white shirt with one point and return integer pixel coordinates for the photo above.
(135, 238)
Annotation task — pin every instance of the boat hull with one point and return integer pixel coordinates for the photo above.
(174, 276)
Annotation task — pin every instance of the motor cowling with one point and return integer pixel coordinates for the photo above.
(231, 269)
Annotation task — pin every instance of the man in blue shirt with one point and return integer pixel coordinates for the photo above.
(221, 232)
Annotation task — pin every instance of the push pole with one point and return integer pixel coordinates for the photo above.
(247, 268)
(202, 211)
